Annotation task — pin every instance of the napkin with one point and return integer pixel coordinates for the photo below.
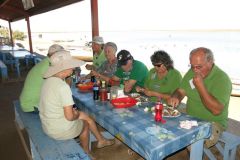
(188, 124)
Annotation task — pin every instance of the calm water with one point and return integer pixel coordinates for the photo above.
(225, 46)
(142, 44)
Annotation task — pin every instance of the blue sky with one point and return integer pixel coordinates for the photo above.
(140, 15)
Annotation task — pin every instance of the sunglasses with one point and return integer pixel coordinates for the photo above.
(157, 65)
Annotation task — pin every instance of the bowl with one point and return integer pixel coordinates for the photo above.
(123, 102)
(85, 86)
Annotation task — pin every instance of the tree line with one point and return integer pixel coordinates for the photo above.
(17, 35)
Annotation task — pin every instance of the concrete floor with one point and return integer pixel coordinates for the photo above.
(12, 149)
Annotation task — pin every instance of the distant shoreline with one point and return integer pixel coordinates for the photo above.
(164, 30)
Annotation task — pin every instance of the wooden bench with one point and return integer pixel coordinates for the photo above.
(41, 145)
(227, 146)
(4, 71)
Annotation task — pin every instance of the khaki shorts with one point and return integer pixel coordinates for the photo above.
(217, 130)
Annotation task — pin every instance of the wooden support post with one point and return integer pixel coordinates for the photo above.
(29, 34)
(94, 13)
(10, 30)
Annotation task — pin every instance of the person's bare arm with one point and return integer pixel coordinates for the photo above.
(210, 102)
(128, 85)
(156, 94)
(115, 78)
(176, 97)
(100, 76)
(70, 113)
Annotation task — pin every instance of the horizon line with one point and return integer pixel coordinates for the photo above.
(173, 30)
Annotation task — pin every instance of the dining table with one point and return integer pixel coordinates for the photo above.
(12, 55)
(138, 129)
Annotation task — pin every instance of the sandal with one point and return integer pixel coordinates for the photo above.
(105, 143)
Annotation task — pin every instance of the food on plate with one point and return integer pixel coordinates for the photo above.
(85, 86)
(142, 98)
(170, 112)
(134, 95)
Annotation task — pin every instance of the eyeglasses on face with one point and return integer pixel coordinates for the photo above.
(157, 65)
(198, 67)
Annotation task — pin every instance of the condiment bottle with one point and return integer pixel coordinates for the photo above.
(103, 91)
(108, 91)
(93, 79)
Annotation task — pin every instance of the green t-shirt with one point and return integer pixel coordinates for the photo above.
(30, 94)
(166, 85)
(98, 59)
(139, 72)
(218, 85)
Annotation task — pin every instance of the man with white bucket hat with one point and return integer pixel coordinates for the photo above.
(30, 94)
(98, 53)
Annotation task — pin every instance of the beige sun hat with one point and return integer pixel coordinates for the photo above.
(60, 62)
(54, 48)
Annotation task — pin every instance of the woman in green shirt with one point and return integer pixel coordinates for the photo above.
(163, 79)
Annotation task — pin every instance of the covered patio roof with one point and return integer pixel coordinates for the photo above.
(13, 10)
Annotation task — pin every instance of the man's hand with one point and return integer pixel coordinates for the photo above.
(94, 73)
(173, 101)
(89, 67)
(198, 80)
(147, 92)
(139, 89)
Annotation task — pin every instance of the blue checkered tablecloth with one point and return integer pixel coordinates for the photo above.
(136, 128)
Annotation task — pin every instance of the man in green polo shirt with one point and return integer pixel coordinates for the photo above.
(130, 72)
(208, 91)
(30, 95)
(98, 53)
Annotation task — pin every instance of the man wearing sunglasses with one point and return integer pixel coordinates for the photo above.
(130, 72)
(208, 91)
